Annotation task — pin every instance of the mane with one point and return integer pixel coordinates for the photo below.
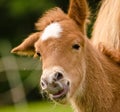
(53, 15)
(107, 26)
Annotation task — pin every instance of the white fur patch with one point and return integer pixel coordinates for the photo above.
(51, 31)
(49, 73)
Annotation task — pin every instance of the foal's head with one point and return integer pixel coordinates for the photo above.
(60, 44)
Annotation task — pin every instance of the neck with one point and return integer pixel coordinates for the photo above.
(98, 91)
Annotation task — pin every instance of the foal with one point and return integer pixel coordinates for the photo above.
(73, 69)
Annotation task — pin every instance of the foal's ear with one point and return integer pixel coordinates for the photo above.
(78, 11)
(27, 46)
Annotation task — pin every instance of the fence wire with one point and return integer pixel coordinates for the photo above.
(11, 66)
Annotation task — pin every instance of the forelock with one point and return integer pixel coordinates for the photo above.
(51, 16)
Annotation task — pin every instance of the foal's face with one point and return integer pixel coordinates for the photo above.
(60, 43)
(61, 47)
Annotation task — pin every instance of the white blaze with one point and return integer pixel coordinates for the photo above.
(51, 31)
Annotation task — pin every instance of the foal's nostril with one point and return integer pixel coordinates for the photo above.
(58, 76)
(43, 84)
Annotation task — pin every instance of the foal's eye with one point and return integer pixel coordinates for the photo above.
(38, 54)
(76, 46)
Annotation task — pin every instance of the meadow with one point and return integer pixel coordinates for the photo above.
(37, 107)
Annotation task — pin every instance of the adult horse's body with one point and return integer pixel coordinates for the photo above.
(73, 69)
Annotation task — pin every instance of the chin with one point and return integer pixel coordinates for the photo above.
(61, 96)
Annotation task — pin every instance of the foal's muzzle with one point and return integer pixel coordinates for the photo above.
(54, 83)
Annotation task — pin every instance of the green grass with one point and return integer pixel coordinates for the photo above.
(37, 107)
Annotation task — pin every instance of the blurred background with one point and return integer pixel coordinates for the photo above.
(19, 76)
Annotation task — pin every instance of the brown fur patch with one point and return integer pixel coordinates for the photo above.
(113, 54)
